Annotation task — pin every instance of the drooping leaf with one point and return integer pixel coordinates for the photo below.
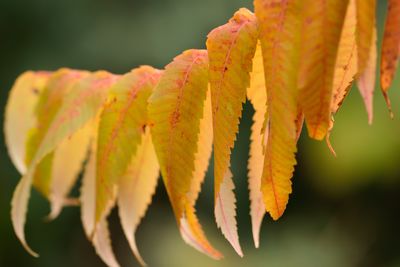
(346, 60)
(136, 188)
(175, 110)
(390, 48)
(366, 81)
(57, 88)
(280, 33)
(321, 30)
(102, 243)
(191, 229)
(346, 67)
(48, 105)
(67, 164)
(23, 99)
(48, 131)
(99, 236)
(257, 94)
(88, 189)
(122, 124)
(366, 17)
(231, 48)
(79, 107)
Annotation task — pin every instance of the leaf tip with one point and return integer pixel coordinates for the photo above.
(329, 144)
(28, 248)
(317, 132)
(388, 104)
(276, 215)
(370, 119)
(225, 212)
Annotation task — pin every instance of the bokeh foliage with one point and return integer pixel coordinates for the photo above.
(344, 211)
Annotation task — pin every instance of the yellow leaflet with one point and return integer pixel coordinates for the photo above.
(346, 60)
(175, 111)
(136, 187)
(67, 164)
(100, 237)
(122, 123)
(257, 94)
(231, 48)
(366, 19)
(22, 99)
(345, 66)
(204, 149)
(322, 25)
(280, 33)
(102, 244)
(88, 189)
(79, 107)
(390, 48)
(191, 229)
(57, 88)
(366, 81)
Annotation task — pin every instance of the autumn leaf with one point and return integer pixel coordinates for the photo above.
(366, 48)
(295, 60)
(22, 99)
(346, 62)
(321, 30)
(88, 189)
(56, 89)
(122, 123)
(99, 236)
(79, 107)
(257, 94)
(191, 229)
(280, 25)
(346, 67)
(366, 81)
(231, 48)
(53, 178)
(176, 109)
(365, 17)
(390, 48)
(136, 188)
(67, 165)
(102, 243)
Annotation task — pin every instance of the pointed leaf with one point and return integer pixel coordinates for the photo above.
(366, 17)
(57, 88)
(366, 81)
(390, 47)
(23, 99)
(67, 164)
(80, 106)
(88, 189)
(175, 110)
(122, 123)
(136, 187)
(280, 32)
(322, 25)
(257, 94)
(99, 236)
(346, 61)
(191, 229)
(231, 48)
(102, 244)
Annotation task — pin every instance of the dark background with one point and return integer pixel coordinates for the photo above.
(344, 211)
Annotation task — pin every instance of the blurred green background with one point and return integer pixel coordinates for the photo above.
(344, 211)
